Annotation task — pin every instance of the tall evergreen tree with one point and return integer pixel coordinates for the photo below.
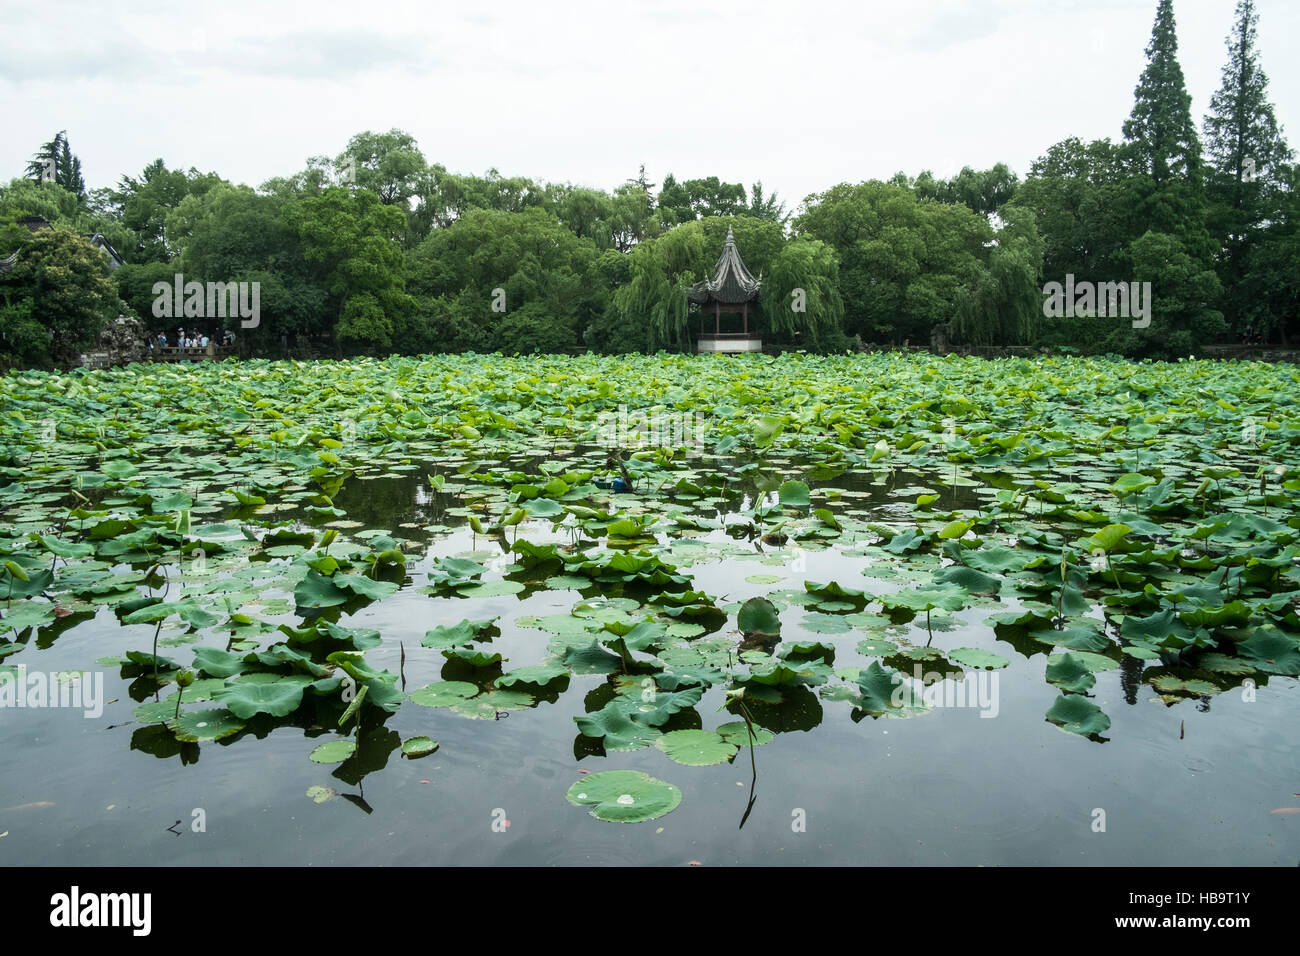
(1247, 172)
(1161, 146)
(54, 162)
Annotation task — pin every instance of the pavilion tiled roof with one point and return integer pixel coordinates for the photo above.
(732, 282)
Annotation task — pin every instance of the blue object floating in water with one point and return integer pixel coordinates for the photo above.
(620, 484)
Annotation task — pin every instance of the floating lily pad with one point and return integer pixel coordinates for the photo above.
(977, 657)
(624, 796)
(334, 751)
(444, 693)
(418, 746)
(737, 734)
(204, 725)
(696, 748)
(1078, 715)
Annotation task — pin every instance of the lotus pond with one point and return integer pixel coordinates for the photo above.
(726, 610)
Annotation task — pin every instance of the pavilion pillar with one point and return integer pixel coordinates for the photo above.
(717, 319)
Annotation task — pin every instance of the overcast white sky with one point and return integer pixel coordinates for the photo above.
(802, 95)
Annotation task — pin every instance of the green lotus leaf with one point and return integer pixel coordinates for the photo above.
(486, 706)
(472, 656)
(443, 693)
(418, 746)
(245, 699)
(591, 659)
(1081, 637)
(456, 635)
(1272, 652)
(363, 586)
(737, 734)
(1069, 673)
(540, 676)
(654, 706)
(820, 623)
(25, 615)
(619, 731)
(947, 598)
(218, 663)
(316, 590)
(333, 751)
(1096, 663)
(624, 796)
(793, 494)
(202, 725)
(883, 693)
(1169, 684)
(759, 616)
(977, 657)
(876, 647)
(1078, 715)
(696, 748)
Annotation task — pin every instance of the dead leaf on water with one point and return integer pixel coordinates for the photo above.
(1282, 810)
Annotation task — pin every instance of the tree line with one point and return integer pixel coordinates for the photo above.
(378, 250)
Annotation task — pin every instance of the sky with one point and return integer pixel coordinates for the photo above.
(802, 96)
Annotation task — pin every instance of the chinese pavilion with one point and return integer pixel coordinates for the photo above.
(733, 290)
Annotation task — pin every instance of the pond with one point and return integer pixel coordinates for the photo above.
(651, 610)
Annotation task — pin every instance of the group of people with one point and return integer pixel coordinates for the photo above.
(192, 341)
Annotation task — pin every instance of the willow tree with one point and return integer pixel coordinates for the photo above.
(1002, 304)
(801, 295)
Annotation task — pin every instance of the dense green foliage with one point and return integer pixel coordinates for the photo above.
(378, 250)
(56, 299)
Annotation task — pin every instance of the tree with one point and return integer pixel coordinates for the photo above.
(1246, 181)
(766, 207)
(1081, 195)
(512, 281)
(907, 265)
(143, 206)
(801, 303)
(444, 197)
(700, 198)
(1003, 305)
(389, 164)
(587, 213)
(56, 299)
(59, 207)
(1184, 292)
(1161, 147)
(352, 243)
(54, 162)
(984, 191)
(233, 234)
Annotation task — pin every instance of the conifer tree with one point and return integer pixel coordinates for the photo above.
(1161, 145)
(1246, 170)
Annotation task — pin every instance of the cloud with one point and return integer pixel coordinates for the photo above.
(205, 55)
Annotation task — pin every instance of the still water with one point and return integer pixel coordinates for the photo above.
(1195, 783)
